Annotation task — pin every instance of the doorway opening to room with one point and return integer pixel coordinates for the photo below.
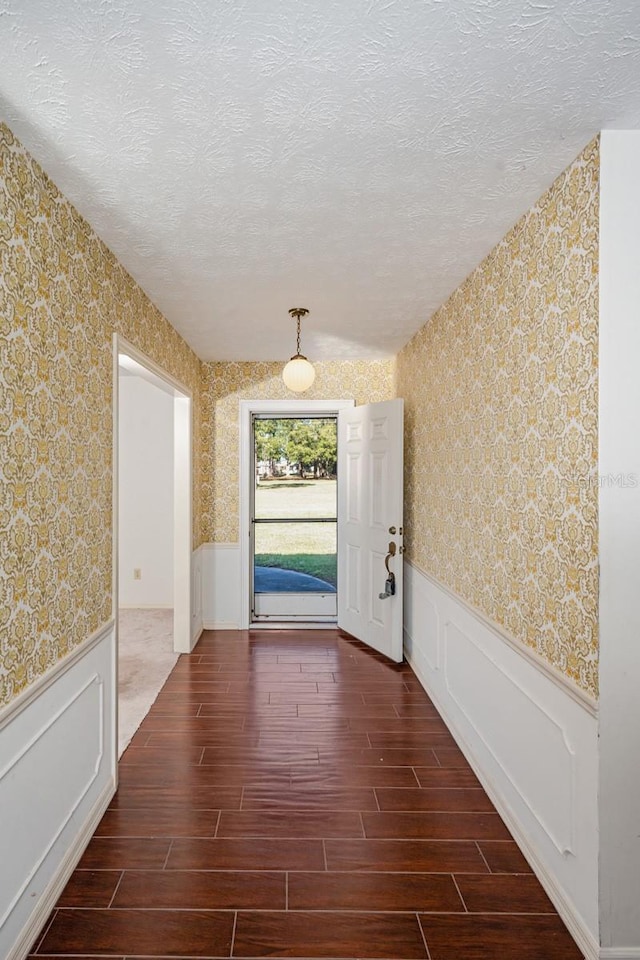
(152, 530)
(294, 518)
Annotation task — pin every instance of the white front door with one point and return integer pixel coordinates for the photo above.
(370, 500)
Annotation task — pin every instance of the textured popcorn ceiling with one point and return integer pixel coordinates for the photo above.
(357, 157)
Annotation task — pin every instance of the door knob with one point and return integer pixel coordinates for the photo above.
(391, 553)
(390, 583)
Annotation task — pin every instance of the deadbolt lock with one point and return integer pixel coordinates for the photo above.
(392, 531)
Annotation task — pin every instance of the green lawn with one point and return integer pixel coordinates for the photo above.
(304, 547)
(296, 498)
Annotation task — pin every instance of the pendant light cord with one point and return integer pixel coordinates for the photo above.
(298, 312)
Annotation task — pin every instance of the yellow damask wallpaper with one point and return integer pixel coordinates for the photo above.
(501, 436)
(500, 390)
(62, 295)
(225, 384)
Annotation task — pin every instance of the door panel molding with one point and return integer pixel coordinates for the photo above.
(370, 458)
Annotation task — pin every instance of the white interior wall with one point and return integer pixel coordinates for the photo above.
(146, 484)
(619, 492)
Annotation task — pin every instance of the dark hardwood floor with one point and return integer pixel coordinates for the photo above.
(292, 794)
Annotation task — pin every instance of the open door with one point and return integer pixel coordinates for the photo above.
(370, 500)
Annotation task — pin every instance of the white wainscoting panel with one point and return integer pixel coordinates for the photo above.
(57, 775)
(196, 595)
(221, 586)
(529, 738)
(550, 799)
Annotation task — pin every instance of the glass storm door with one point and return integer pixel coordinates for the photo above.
(294, 519)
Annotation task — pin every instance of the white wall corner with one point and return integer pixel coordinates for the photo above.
(619, 542)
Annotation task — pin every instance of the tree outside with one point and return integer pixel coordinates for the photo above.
(303, 446)
(296, 464)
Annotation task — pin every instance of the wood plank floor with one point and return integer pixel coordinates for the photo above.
(292, 794)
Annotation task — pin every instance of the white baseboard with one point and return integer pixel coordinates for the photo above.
(145, 606)
(220, 625)
(325, 624)
(619, 953)
(532, 744)
(60, 734)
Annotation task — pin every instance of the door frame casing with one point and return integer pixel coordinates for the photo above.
(182, 472)
(277, 408)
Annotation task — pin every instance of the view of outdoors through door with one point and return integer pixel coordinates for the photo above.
(294, 518)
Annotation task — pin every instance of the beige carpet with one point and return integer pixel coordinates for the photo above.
(145, 660)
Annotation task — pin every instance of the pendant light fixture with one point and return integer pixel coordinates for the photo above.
(298, 374)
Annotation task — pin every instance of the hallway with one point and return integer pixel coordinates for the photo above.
(293, 794)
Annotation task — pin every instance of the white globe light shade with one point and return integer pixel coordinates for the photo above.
(298, 374)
